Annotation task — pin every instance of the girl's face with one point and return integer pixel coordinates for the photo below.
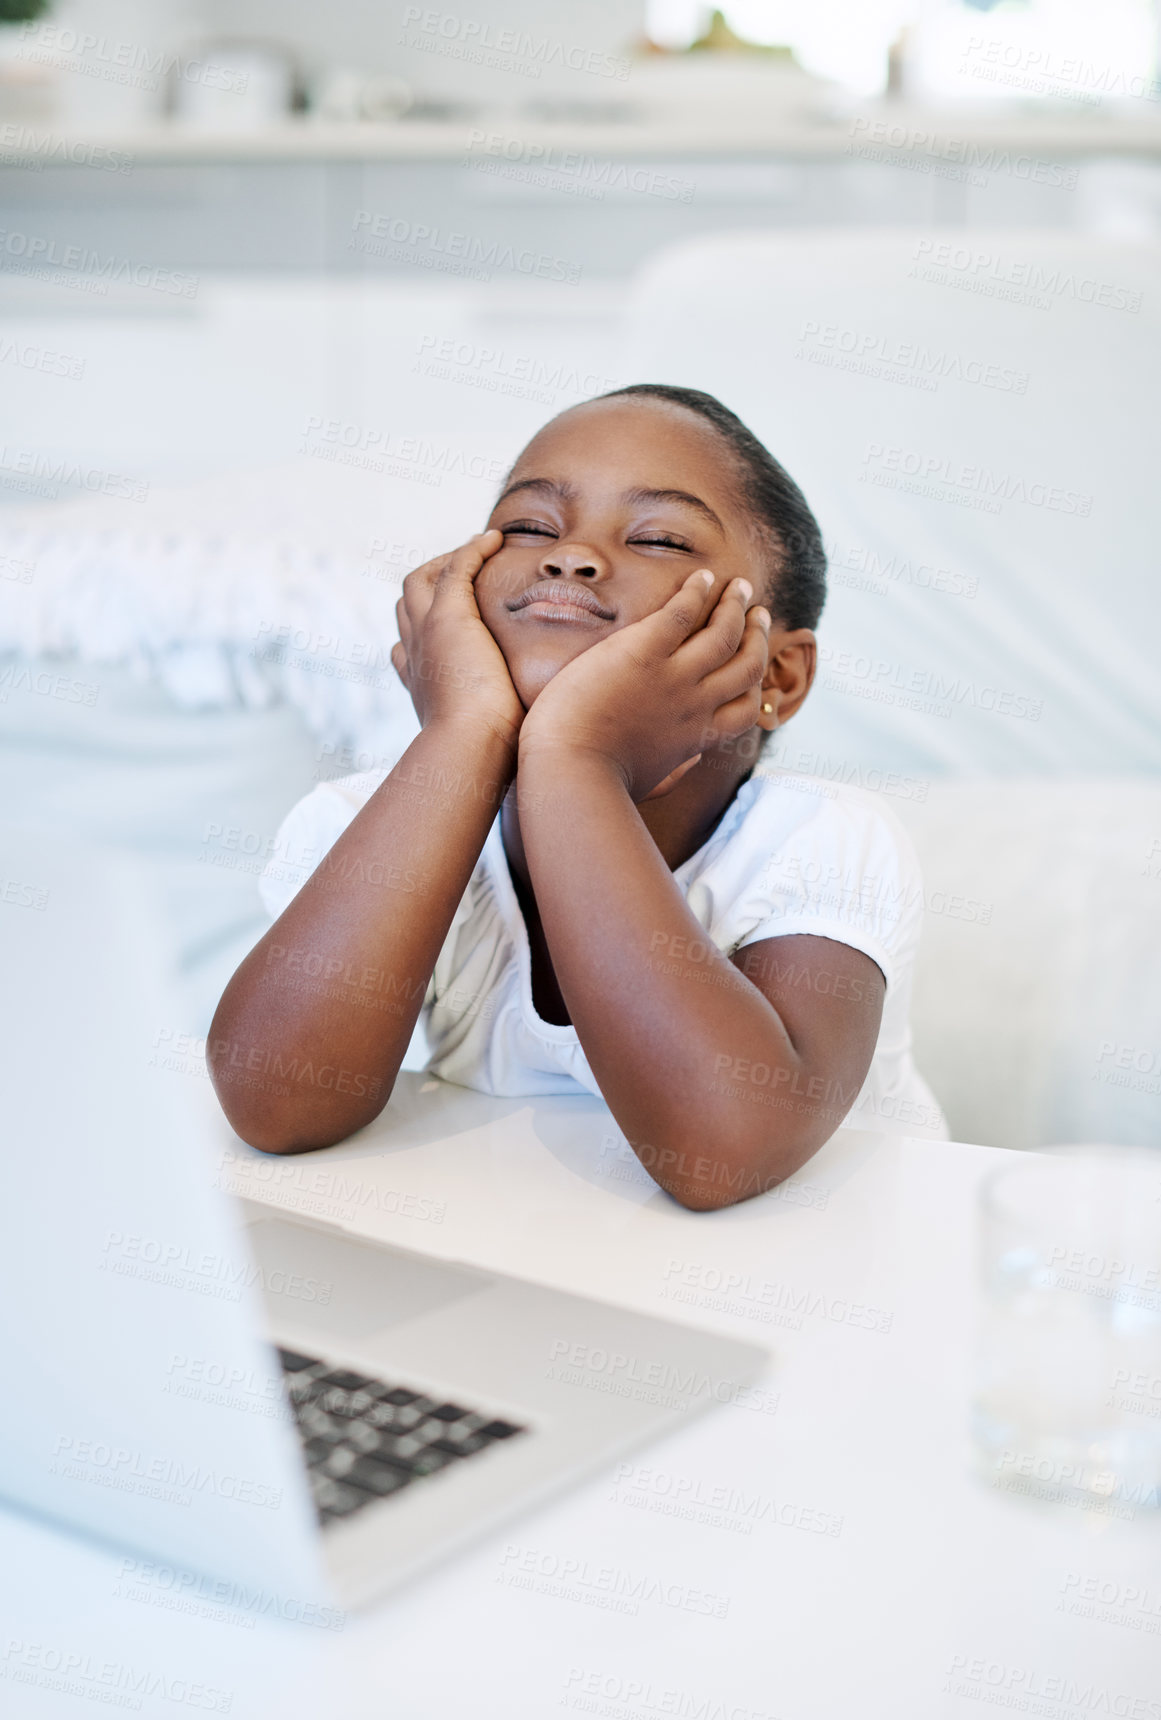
(607, 511)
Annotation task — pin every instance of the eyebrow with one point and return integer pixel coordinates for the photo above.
(566, 493)
(546, 486)
(682, 498)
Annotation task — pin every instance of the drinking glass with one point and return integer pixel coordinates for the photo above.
(1067, 1402)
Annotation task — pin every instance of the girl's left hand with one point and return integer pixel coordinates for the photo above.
(652, 697)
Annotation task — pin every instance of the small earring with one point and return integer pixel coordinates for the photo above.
(767, 710)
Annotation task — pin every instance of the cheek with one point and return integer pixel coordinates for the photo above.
(507, 574)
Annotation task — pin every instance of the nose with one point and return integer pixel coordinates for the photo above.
(576, 560)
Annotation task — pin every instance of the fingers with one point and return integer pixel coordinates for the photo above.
(737, 717)
(456, 576)
(717, 642)
(446, 579)
(454, 571)
(474, 552)
(741, 676)
(686, 611)
(671, 781)
(470, 557)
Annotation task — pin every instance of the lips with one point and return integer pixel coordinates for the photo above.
(549, 595)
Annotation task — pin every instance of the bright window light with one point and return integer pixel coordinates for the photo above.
(843, 40)
(675, 23)
(1073, 50)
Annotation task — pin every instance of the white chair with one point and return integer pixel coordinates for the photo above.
(1036, 1011)
(173, 684)
(972, 418)
(1029, 781)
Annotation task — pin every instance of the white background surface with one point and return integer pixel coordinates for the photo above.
(338, 425)
(931, 1568)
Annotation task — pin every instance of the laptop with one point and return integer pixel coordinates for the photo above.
(302, 1415)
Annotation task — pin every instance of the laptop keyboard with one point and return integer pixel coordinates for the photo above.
(366, 1440)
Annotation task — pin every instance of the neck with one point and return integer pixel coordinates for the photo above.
(679, 822)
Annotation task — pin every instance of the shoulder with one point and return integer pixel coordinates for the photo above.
(351, 791)
(311, 827)
(810, 813)
(325, 812)
(784, 812)
(801, 855)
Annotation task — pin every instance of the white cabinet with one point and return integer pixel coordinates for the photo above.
(582, 215)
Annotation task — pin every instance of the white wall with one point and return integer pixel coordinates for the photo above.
(385, 37)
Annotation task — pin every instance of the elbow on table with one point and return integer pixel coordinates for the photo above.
(280, 1136)
(702, 1199)
(278, 1143)
(271, 1129)
(706, 1181)
(712, 1197)
(288, 1101)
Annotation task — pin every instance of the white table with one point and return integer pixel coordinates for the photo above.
(824, 1553)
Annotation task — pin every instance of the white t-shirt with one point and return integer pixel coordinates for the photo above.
(791, 855)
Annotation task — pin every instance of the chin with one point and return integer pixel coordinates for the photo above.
(532, 668)
(530, 680)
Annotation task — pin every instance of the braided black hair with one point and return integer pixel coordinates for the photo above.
(797, 589)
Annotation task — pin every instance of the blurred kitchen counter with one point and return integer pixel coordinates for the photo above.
(511, 195)
(698, 133)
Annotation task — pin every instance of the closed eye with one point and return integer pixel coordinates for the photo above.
(537, 528)
(661, 542)
(528, 528)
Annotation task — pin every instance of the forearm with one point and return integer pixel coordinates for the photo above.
(310, 1032)
(659, 1010)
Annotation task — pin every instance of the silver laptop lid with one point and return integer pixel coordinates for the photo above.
(147, 1408)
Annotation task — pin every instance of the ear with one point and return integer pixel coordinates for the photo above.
(789, 675)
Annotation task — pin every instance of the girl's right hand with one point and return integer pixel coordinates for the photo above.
(446, 658)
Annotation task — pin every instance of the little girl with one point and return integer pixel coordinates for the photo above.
(644, 919)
